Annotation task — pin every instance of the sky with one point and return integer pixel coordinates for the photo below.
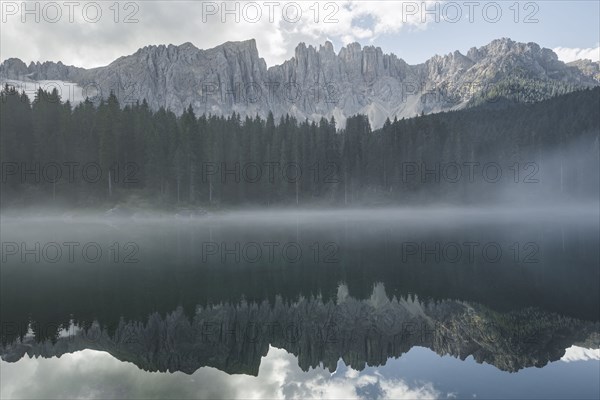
(94, 33)
(418, 374)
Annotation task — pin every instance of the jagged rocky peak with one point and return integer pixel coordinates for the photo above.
(460, 58)
(495, 47)
(304, 51)
(170, 52)
(242, 44)
(12, 68)
(505, 47)
(587, 67)
(351, 52)
(15, 69)
(246, 55)
(247, 48)
(188, 46)
(301, 49)
(502, 45)
(327, 47)
(361, 79)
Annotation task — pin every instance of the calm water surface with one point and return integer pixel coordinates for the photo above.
(411, 303)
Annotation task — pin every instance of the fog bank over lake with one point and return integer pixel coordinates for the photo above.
(430, 214)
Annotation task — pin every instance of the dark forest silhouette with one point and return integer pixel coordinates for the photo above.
(105, 152)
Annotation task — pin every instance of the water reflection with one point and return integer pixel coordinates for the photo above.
(418, 374)
(352, 293)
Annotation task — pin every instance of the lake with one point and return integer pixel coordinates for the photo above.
(436, 302)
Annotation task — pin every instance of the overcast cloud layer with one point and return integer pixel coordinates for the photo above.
(91, 34)
(278, 28)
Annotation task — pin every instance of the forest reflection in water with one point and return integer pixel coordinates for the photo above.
(337, 291)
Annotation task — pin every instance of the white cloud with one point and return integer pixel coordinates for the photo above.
(89, 373)
(87, 44)
(576, 353)
(567, 54)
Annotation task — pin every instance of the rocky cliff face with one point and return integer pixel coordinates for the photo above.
(316, 82)
(234, 337)
(588, 68)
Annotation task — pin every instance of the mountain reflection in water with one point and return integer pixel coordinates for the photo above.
(344, 293)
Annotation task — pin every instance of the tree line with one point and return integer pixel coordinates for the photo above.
(97, 153)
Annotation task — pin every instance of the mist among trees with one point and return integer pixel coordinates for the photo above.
(99, 154)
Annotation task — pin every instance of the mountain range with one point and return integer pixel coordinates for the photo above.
(316, 82)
